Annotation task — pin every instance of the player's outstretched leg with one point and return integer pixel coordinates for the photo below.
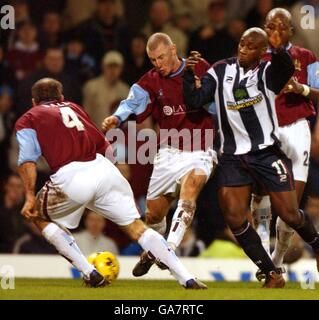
(65, 244)
(234, 203)
(158, 250)
(156, 212)
(191, 185)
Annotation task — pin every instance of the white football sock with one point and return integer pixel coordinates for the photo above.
(284, 234)
(153, 243)
(261, 211)
(182, 219)
(159, 227)
(67, 247)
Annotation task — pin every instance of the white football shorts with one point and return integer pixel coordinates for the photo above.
(296, 143)
(171, 165)
(97, 185)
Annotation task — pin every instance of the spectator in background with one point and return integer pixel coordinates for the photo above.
(6, 124)
(32, 242)
(213, 40)
(7, 76)
(105, 31)
(183, 20)
(77, 62)
(11, 221)
(160, 21)
(53, 67)
(92, 239)
(25, 56)
(236, 28)
(257, 15)
(137, 62)
(50, 34)
(100, 93)
(75, 14)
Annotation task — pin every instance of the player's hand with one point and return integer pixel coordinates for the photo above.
(275, 40)
(29, 209)
(293, 86)
(110, 123)
(192, 60)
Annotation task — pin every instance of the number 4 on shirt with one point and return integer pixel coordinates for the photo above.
(70, 119)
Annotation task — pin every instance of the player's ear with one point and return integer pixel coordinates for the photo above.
(174, 48)
(62, 97)
(33, 103)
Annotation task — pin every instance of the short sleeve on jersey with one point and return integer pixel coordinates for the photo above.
(313, 75)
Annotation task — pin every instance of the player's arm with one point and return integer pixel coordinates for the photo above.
(136, 104)
(281, 67)
(29, 152)
(311, 90)
(197, 94)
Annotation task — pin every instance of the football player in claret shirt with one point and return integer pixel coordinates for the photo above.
(181, 166)
(83, 177)
(244, 89)
(293, 106)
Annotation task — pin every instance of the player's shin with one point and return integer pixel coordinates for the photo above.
(261, 211)
(284, 234)
(308, 232)
(156, 246)
(182, 219)
(67, 247)
(249, 240)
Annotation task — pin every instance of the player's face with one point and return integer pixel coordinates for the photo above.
(281, 25)
(163, 59)
(249, 51)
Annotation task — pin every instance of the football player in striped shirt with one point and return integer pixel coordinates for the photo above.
(244, 89)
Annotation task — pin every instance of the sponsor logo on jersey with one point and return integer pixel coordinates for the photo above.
(175, 110)
(244, 103)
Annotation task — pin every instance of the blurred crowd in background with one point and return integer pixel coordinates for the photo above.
(96, 48)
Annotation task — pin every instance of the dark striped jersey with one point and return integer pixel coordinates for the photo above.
(245, 102)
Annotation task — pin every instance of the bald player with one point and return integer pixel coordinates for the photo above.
(293, 106)
(181, 166)
(244, 90)
(83, 177)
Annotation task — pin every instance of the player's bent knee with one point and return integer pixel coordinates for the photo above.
(135, 229)
(291, 217)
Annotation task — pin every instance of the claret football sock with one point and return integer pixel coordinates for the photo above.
(284, 234)
(182, 219)
(65, 243)
(261, 211)
(249, 240)
(153, 243)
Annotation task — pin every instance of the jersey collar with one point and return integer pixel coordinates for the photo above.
(179, 70)
(288, 47)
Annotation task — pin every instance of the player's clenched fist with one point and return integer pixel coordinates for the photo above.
(110, 123)
(192, 60)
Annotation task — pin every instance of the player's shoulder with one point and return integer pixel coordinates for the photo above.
(220, 65)
(303, 53)
(148, 79)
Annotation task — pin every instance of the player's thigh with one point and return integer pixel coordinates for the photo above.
(272, 170)
(296, 144)
(114, 198)
(53, 204)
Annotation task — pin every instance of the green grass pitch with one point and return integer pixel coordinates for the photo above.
(60, 289)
